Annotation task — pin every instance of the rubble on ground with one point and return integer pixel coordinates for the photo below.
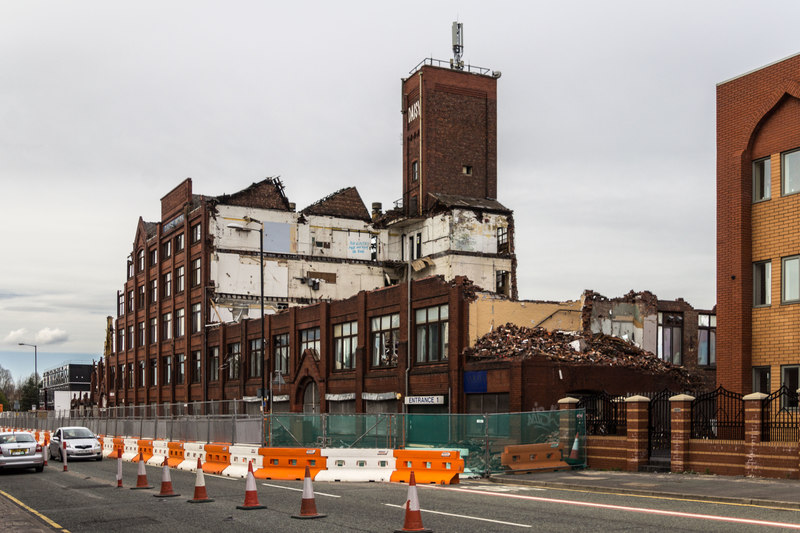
(519, 342)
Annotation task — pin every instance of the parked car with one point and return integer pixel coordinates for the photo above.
(19, 449)
(81, 443)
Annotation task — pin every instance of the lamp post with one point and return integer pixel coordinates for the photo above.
(35, 369)
(239, 227)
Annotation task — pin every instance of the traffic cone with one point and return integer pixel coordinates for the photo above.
(200, 494)
(141, 478)
(64, 454)
(574, 453)
(250, 492)
(413, 520)
(308, 506)
(166, 483)
(119, 469)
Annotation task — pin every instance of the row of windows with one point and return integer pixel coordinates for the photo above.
(790, 281)
(150, 332)
(175, 243)
(171, 282)
(790, 378)
(790, 176)
(670, 338)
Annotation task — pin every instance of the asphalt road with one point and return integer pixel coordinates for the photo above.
(85, 499)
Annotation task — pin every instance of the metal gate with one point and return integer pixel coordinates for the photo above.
(658, 425)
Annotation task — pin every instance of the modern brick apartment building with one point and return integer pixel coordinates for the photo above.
(758, 228)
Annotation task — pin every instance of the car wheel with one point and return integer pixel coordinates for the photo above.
(39, 468)
(100, 457)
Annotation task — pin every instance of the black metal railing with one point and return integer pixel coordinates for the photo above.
(718, 414)
(605, 414)
(779, 416)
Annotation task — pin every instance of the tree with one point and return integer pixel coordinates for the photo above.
(7, 386)
(4, 401)
(28, 394)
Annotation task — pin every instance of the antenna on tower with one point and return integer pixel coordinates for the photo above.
(458, 46)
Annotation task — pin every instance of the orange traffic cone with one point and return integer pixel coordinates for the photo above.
(574, 453)
(200, 494)
(166, 483)
(413, 520)
(141, 478)
(250, 492)
(119, 469)
(308, 506)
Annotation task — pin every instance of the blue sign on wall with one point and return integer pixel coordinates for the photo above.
(475, 382)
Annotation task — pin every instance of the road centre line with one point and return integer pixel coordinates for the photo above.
(301, 490)
(631, 509)
(462, 516)
(34, 511)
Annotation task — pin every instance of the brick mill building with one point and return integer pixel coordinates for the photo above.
(758, 228)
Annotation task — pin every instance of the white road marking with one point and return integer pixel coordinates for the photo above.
(301, 490)
(631, 509)
(462, 516)
(222, 477)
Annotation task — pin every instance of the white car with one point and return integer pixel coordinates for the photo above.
(18, 449)
(81, 443)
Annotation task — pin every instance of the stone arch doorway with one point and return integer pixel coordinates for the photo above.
(311, 403)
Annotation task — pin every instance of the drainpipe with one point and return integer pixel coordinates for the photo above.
(408, 324)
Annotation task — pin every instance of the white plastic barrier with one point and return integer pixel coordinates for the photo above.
(191, 451)
(108, 446)
(357, 465)
(130, 449)
(160, 452)
(240, 455)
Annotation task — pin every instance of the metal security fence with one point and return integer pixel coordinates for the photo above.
(718, 414)
(481, 438)
(779, 416)
(605, 414)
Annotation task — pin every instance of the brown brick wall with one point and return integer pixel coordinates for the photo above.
(756, 116)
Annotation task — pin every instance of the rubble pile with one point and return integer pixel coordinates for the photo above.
(518, 342)
(469, 288)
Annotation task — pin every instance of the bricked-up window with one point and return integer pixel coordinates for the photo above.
(761, 379)
(280, 345)
(140, 334)
(761, 176)
(196, 233)
(140, 380)
(762, 278)
(153, 290)
(167, 285)
(180, 322)
(790, 172)
(180, 368)
(153, 256)
(179, 280)
(502, 239)
(256, 358)
(432, 333)
(130, 301)
(213, 363)
(166, 250)
(153, 330)
(345, 340)
(385, 332)
(166, 323)
(790, 378)
(140, 260)
(179, 243)
(234, 360)
(197, 319)
(790, 279)
(197, 366)
(706, 339)
(670, 337)
(167, 370)
(414, 170)
(195, 274)
(120, 303)
(153, 372)
(309, 340)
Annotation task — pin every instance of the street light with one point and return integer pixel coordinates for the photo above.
(239, 227)
(35, 370)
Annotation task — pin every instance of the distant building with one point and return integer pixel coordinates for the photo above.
(69, 377)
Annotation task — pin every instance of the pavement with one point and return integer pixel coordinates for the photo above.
(778, 493)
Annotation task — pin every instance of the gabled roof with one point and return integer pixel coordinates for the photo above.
(265, 194)
(344, 203)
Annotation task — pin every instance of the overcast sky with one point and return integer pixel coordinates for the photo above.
(606, 125)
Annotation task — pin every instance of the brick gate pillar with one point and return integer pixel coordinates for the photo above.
(680, 407)
(638, 437)
(567, 425)
(752, 431)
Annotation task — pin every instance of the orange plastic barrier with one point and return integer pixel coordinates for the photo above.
(530, 457)
(429, 466)
(218, 458)
(290, 463)
(119, 446)
(145, 449)
(176, 454)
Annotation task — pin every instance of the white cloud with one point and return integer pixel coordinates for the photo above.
(51, 336)
(15, 336)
